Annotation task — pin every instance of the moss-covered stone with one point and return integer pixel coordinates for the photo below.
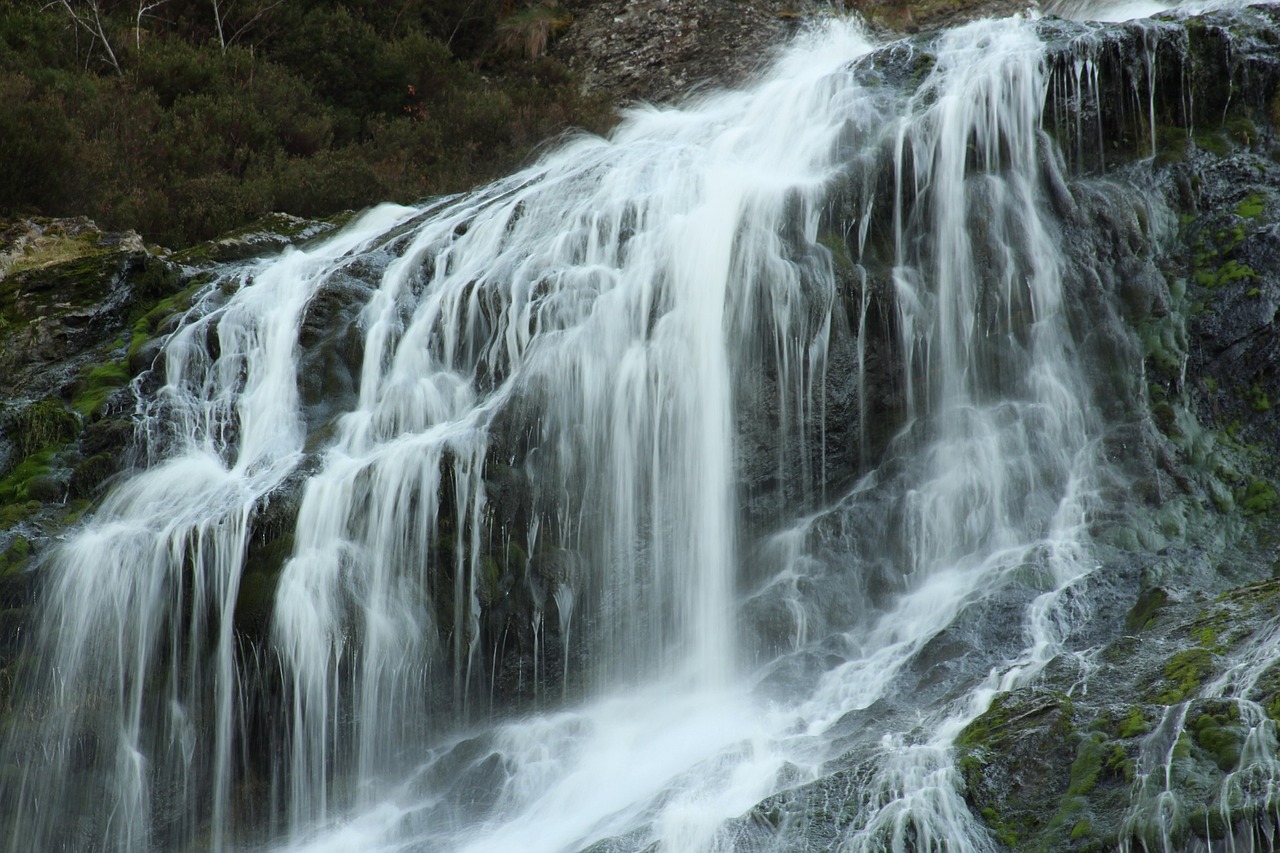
(1257, 498)
(97, 384)
(269, 233)
(44, 423)
(255, 600)
(1221, 736)
(1013, 760)
(1184, 673)
(1133, 724)
(1251, 207)
(15, 556)
(1087, 767)
(1229, 271)
(1146, 609)
(89, 475)
(14, 487)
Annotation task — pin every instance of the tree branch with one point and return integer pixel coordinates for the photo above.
(144, 11)
(94, 27)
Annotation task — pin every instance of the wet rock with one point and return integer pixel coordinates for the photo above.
(267, 235)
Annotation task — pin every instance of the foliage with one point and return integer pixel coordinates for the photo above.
(305, 106)
(44, 423)
(530, 30)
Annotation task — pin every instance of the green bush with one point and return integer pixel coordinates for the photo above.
(39, 144)
(317, 107)
(32, 38)
(329, 181)
(173, 68)
(209, 205)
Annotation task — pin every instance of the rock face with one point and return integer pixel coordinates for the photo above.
(1164, 733)
(654, 50)
(658, 50)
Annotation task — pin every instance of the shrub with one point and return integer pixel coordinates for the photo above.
(529, 31)
(37, 169)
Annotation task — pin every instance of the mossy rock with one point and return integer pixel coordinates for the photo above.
(1133, 724)
(15, 486)
(15, 557)
(1220, 734)
(267, 235)
(255, 600)
(1013, 758)
(44, 423)
(96, 385)
(1258, 497)
(1184, 673)
(78, 283)
(88, 477)
(1146, 609)
(153, 278)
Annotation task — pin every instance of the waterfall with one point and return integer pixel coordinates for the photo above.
(566, 563)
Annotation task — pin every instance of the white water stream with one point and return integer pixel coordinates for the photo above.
(614, 296)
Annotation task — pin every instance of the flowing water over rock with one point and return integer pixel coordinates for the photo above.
(694, 489)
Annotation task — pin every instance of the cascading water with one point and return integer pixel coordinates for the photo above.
(547, 390)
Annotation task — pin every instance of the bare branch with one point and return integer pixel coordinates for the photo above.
(217, 20)
(91, 25)
(145, 8)
(222, 21)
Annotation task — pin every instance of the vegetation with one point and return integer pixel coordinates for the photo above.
(186, 118)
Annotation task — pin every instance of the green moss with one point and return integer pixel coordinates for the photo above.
(149, 323)
(1258, 399)
(1146, 608)
(1120, 764)
(984, 727)
(1006, 834)
(1164, 342)
(13, 488)
(1185, 671)
(44, 423)
(1225, 274)
(15, 556)
(1010, 718)
(1087, 767)
(517, 559)
(490, 580)
(1206, 636)
(1251, 207)
(1171, 144)
(154, 278)
(1133, 724)
(1257, 498)
(96, 385)
(75, 510)
(834, 243)
(1082, 830)
(13, 512)
(1241, 130)
(1212, 142)
(1221, 736)
(89, 475)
